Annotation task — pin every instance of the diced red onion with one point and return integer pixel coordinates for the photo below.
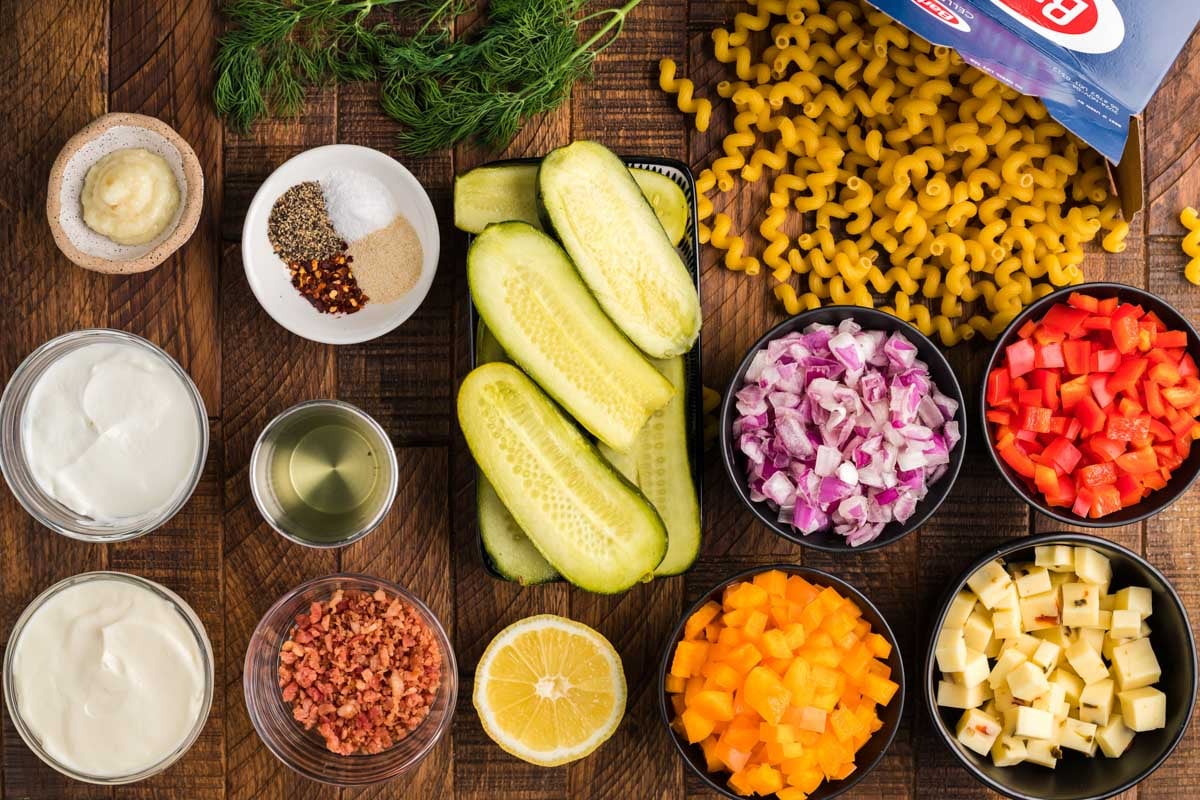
(843, 429)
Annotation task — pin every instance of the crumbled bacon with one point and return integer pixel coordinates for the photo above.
(363, 669)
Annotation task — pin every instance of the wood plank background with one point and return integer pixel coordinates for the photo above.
(65, 62)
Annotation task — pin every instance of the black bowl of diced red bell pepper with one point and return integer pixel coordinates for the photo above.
(1090, 405)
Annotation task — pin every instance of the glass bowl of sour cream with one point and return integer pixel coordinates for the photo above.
(103, 436)
(108, 677)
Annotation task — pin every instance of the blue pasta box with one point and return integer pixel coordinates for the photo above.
(1095, 63)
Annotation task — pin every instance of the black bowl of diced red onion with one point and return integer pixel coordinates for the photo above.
(843, 428)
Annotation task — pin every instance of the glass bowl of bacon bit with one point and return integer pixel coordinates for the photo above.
(350, 680)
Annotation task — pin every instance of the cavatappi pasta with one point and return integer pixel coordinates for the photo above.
(920, 180)
(1191, 244)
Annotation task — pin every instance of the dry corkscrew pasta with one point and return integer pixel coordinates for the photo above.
(915, 178)
(1191, 244)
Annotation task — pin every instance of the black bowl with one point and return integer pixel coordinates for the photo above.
(1181, 478)
(943, 377)
(870, 754)
(1078, 777)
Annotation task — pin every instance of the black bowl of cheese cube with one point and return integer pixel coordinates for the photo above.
(1061, 667)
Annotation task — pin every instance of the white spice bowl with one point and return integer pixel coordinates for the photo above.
(269, 277)
(64, 210)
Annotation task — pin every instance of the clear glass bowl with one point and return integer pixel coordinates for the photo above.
(304, 751)
(190, 619)
(41, 506)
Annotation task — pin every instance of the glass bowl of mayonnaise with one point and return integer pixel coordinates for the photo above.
(108, 677)
(103, 436)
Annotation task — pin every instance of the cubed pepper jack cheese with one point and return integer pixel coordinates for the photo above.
(955, 695)
(1071, 683)
(1126, 624)
(976, 670)
(1042, 751)
(977, 630)
(990, 583)
(1054, 700)
(1008, 661)
(1033, 723)
(1114, 738)
(1093, 637)
(951, 652)
(1040, 611)
(1091, 567)
(1080, 605)
(1108, 602)
(1031, 579)
(1008, 751)
(1111, 644)
(1096, 702)
(1027, 682)
(960, 608)
(1143, 709)
(977, 731)
(1010, 599)
(1055, 557)
(1135, 665)
(1086, 662)
(1056, 635)
(1135, 598)
(1027, 644)
(1076, 735)
(1046, 655)
(1006, 623)
(1002, 696)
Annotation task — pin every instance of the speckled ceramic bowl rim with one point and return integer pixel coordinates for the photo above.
(945, 735)
(189, 217)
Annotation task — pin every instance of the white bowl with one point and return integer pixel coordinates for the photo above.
(268, 275)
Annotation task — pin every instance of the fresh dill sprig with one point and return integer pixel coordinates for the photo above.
(523, 62)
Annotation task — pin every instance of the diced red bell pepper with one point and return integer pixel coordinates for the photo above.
(1106, 500)
(1187, 367)
(1098, 324)
(1083, 502)
(1045, 479)
(1065, 495)
(1181, 396)
(1125, 329)
(1170, 339)
(1090, 416)
(1058, 425)
(1084, 302)
(1035, 418)
(1027, 330)
(1047, 381)
(1152, 319)
(1130, 489)
(1138, 462)
(1021, 357)
(1127, 374)
(1005, 418)
(1105, 360)
(1107, 306)
(1094, 475)
(1074, 428)
(1030, 397)
(1165, 374)
(1026, 435)
(1016, 459)
(1044, 337)
(1065, 318)
(1077, 354)
(1064, 455)
(1154, 480)
(999, 384)
(1103, 448)
(1049, 356)
(1073, 391)
(1098, 383)
(1160, 431)
(1127, 429)
(1129, 407)
(1154, 399)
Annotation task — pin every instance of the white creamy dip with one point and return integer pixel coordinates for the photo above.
(110, 431)
(108, 677)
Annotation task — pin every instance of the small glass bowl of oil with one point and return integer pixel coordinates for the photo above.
(323, 473)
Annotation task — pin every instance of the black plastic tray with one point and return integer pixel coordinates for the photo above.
(689, 248)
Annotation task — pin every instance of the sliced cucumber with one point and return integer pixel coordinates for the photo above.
(664, 473)
(668, 201)
(619, 247)
(542, 314)
(594, 526)
(513, 554)
(487, 195)
(659, 464)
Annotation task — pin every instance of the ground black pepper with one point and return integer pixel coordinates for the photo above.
(302, 235)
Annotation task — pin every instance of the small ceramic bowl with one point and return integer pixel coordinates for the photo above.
(64, 211)
(1183, 476)
(866, 758)
(1078, 777)
(943, 377)
(269, 277)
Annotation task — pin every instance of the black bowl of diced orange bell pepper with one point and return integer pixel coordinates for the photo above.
(1090, 405)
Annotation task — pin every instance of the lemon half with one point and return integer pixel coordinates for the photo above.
(549, 690)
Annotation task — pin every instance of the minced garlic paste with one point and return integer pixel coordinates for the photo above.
(130, 196)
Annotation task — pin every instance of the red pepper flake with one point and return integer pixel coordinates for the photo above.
(328, 283)
(363, 669)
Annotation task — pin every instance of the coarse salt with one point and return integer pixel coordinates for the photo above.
(358, 204)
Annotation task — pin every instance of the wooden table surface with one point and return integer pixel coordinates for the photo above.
(65, 62)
